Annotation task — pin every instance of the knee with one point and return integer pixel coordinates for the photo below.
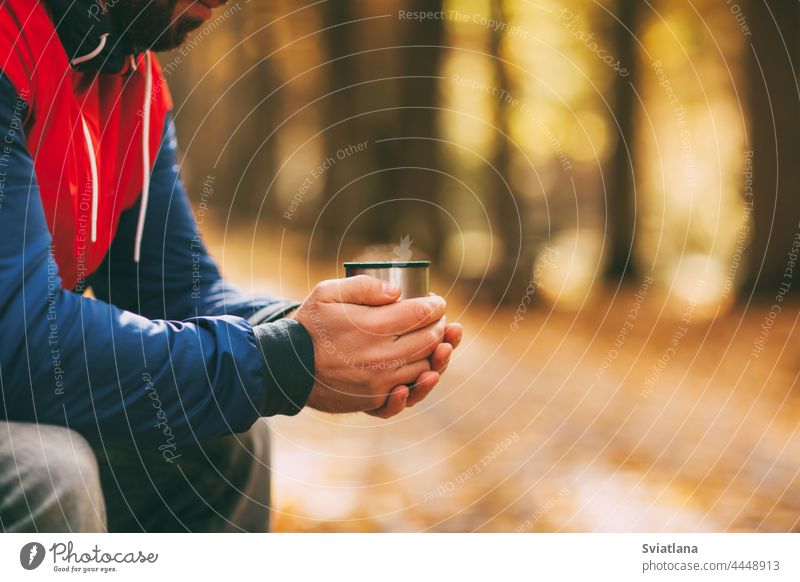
(249, 452)
(59, 478)
(232, 478)
(252, 467)
(256, 442)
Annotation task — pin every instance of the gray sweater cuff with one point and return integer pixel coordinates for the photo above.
(288, 353)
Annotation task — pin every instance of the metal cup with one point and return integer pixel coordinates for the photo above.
(412, 277)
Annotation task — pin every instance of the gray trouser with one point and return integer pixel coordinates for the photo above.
(54, 480)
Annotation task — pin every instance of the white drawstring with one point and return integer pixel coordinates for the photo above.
(148, 86)
(93, 166)
(93, 54)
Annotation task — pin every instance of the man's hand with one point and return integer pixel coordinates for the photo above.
(367, 344)
(403, 397)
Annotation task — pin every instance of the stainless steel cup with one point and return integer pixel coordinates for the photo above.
(412, 277)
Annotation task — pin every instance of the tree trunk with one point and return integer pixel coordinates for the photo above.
(620, 196)
(775, 115)
(338, 106)
(507, 207)
(417, 121)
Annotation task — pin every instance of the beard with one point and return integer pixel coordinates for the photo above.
(150, 24)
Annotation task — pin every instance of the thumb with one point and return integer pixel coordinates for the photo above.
(359, 290)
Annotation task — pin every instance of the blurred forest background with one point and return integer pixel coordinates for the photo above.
(610, 192)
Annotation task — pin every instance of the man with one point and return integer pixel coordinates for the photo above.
(138, 410)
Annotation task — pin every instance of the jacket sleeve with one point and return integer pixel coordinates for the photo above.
(70, 360)
(175, 278)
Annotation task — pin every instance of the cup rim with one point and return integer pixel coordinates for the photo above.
(386, 264)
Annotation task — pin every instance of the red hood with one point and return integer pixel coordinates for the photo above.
(93, 137)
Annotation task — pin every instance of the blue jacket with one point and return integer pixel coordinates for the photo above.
(168, 352)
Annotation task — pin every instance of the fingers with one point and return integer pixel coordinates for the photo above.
(409, 373)
(398, 396)
(405, 316)
(441, 357)
(402, 397)
(453, 334)
(419, 344)
(359, 290)
(423, 386)
(395, 403)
